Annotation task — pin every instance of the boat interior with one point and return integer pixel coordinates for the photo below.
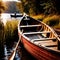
(39, 34)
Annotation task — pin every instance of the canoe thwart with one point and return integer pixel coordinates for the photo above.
(28, 33)
(29, 26)
(43, 39)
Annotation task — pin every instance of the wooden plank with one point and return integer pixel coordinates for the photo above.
(43, 39)
(28, 33)
(51, 45)
(47, 43)
(29, 26)
(54, 48)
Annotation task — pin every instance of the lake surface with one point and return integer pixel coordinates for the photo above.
(21, 53)
(7, 16)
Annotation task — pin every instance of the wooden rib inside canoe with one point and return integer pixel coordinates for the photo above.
(29, 26)
(28, 33)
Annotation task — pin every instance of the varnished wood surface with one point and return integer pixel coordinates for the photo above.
(33, 40)
(37, 32)
(29, 26)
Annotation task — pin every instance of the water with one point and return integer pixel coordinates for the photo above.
(7, 16)
(21, 53)
(24, 55)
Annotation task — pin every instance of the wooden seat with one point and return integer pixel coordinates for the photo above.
(28, 33)
(43, 39)
(29, 26)
(46, 43)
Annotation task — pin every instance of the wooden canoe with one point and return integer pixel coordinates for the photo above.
(39, 39)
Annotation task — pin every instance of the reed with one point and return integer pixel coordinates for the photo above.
(8, 34)
(39, 17)
(1, 32)
(11, 31)
(53, 21)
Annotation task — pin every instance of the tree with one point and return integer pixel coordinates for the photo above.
(2, 7)
(34, 7)
(48, 6)
(20, 7)
(27, 6)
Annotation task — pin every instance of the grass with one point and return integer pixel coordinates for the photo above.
(39, 17)
(9, 32)
(57, 26)
(51, 20)
(1, 33)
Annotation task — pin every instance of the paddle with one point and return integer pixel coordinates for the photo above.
(14, 51)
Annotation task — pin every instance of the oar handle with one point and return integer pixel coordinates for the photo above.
(14, 51)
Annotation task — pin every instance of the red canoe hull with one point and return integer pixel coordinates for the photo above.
(38, 52)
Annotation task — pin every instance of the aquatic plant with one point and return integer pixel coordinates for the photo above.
(11, 31)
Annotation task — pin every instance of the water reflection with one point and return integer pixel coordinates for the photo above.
(21, 53)
(1, 52)
(5, 52)
(7, 16)
(24, 55)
